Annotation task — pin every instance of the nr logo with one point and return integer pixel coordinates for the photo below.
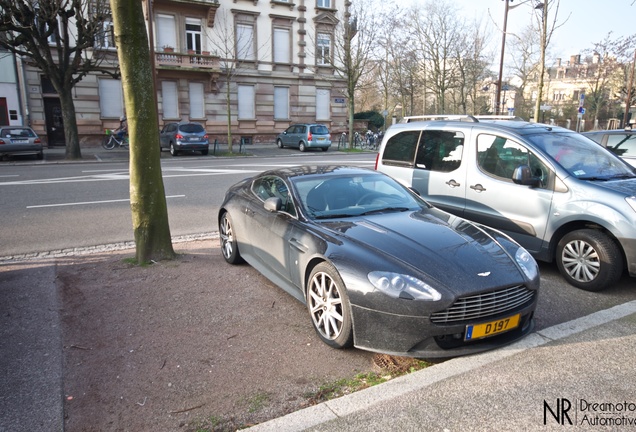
(560, 413)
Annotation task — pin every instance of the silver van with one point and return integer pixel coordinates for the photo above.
(557, 193)
(304, 136)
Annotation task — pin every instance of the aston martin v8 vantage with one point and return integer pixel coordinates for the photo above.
(376, 265)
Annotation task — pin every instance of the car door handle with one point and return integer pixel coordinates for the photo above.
(478, 188)
(452, 183)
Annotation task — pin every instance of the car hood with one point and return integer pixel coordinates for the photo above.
(455, 253)
(626, 187)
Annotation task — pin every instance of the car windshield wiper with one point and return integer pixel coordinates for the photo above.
(334, 216)
(594, 178)
(622, 176)
(385, 209)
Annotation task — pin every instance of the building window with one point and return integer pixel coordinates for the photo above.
(323, 107)
(323, 4)
(111, 98)
(170, 100)
(281, 103)
(197, 100)
(245, 42)
(193, 35)
(106, 37)
(323, 49)
(246, 102)
(166, 31)
(281, 45)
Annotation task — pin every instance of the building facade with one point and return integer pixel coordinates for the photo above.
(257, 65)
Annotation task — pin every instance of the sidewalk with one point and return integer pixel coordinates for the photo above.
(577, 373)
(99, 154)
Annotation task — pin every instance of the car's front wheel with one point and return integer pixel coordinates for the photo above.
(279, 143)
(589, 259)
(229, 245)
(328, 305)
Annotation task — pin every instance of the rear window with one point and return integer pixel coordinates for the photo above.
(17, 132)
(191, 128)
(319, 130)
(401, 147)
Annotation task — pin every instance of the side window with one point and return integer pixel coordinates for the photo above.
(272, 186)
(400, 148)
(622, 145)
(499, 156)
(440, 151)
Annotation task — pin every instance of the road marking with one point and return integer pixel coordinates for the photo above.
(92, 202)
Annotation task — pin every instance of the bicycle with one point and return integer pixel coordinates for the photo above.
(343, 142)
(111, 140)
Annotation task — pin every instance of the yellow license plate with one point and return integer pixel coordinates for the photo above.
(478, 331)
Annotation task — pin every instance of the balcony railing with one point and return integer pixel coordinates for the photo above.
(171, 60)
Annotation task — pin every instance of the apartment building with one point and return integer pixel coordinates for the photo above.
(269, 61)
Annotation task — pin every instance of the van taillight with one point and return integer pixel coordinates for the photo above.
(309, 137)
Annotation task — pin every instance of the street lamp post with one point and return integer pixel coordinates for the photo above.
(503, 47)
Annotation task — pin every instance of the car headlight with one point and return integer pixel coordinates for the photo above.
(632, 202)
(527, 263)
(403, 286)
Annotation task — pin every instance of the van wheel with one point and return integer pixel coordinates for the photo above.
(589, 260)
(301, 146)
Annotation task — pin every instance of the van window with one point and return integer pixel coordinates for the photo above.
(400, 148)
(499, 157)
(622, 145)
(440, 151)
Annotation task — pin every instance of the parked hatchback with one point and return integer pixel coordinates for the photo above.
(557, 193)
(20, 140)
(304, 136)
(184, 136)
(621, 142)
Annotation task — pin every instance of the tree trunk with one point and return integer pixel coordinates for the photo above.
(147, 194)
(71, 136)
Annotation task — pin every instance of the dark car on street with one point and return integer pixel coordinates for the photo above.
(184, 137)
(305, 136)
(18, 141)
(377, 266)
(621, 142)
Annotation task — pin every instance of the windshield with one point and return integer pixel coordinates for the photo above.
(329, 196)
(581, 157)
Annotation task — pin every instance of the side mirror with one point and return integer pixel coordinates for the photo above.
(523, 176)
(273, 204)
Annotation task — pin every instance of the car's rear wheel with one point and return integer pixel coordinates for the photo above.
(328, 305)
(205, 152)
(325, 148)
(40, 155)
(108, 142)
(589, 259)
(229, 245)
(279, 143)
(173, 150)
(301, 146)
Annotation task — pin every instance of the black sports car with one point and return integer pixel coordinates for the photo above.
(377, 266)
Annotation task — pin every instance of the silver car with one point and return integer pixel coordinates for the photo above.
(557, 193)
(304, 136)
(621, 142)
(184, 137)
(19, 140)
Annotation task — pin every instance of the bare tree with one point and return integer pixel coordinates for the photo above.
(473, 61)
(147, 194)
(439, 33)
(607, 72)
(525, 60)
(59, 37)
(237, 52)
(354, 40)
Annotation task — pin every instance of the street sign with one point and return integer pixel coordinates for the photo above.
(339, 100)
(545, 108)
(581, 100)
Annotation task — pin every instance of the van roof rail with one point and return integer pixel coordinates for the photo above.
(460, 117)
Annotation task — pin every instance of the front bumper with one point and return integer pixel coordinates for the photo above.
(419, 337)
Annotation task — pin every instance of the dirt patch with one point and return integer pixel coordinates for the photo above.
(190, 344)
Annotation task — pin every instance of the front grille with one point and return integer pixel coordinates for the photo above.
(484, 305)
